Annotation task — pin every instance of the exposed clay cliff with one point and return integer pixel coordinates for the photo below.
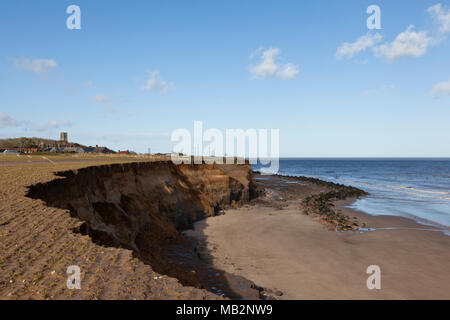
(144, 206)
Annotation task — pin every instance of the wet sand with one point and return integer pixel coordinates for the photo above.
(275, 245)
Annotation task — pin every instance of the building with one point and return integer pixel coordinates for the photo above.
(10, 152)
(104, 150)
(73, 149)
(27, 150)
(98, 149)
(63, 137)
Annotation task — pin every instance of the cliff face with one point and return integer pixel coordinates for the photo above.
(143, 206)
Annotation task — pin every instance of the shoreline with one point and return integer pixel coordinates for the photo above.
(343, 204)
(273, 244)
(392, 222)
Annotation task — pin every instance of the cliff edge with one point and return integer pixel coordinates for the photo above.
(143, 206)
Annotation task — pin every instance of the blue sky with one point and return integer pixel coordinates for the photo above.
(138, 70)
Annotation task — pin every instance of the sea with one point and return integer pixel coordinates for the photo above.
(414, 188)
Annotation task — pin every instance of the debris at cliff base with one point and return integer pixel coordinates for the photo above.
(317, 198)
(321, 205)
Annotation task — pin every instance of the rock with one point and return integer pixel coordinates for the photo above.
(254, 286)
(267, 295)
(278, 293)
(81, 228)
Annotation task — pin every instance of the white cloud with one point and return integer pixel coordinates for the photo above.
(155, 83)
(101, 98)
(441, 89)
(7, 121)
(408, 43)
(269, 67)
(288, 71)
(56, 124)
(441, 17)
(348, 50)
(35, 65)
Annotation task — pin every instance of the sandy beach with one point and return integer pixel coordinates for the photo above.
(275, 245)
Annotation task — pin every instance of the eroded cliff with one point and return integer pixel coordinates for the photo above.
(144, 206)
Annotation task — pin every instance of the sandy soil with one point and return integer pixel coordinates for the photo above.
(273, 244)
